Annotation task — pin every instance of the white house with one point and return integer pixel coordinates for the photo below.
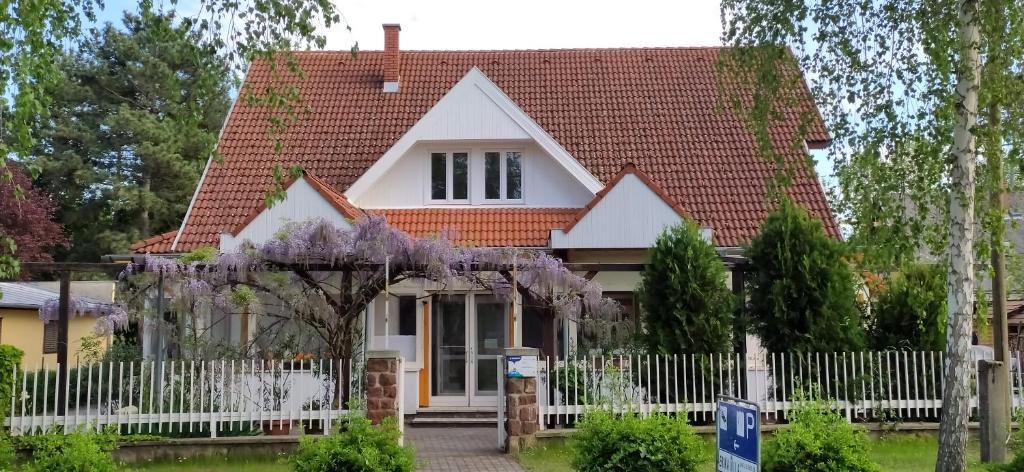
(587, 153)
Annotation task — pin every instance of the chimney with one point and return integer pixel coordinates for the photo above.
(392, 57)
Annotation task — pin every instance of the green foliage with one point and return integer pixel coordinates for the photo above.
(75, 452)
(609, 443)
(200, 254)
(8, 455)
(10, 359)
(910, 312)
(357, 446)
(132, 122)
(802, 291)
(817, 440)
(687, 307)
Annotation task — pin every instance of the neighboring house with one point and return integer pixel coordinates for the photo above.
(586, 153)
(21, 326)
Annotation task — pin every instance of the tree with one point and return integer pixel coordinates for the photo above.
(802, 291)
(881, 72)
(686, 305)
(910, 311)
(131, 123)
(28, 220)
(33, 33)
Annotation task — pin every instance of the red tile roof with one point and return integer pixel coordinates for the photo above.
(658, 108)
(158, 244)
(494, 227)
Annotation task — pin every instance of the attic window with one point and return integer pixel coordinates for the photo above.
(449, 176)
(503, 175)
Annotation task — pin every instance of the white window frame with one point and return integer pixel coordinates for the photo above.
(503, 175)
(449, 176)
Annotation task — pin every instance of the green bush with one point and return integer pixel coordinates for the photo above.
(686, 304)
(802, 290)
(7, 453)
(609, 443)
(818, 440)
(76, 452)
(910, 310)
(357, 446)
(10, 359)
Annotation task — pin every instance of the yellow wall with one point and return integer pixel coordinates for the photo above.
(23, 329)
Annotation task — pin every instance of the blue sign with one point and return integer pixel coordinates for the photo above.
(739, 435)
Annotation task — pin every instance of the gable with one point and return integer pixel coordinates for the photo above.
(658, 108)
(474, 109)
(630, 214)
(306, 199)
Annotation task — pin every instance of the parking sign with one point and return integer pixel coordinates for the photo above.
(739, 435)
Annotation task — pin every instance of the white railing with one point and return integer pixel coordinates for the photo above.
(863, 386)
(181, 398)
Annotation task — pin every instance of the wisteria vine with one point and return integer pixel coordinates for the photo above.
(359, 254)
(109, 316)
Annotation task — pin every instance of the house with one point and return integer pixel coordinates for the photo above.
(586, 153)
(21, 326)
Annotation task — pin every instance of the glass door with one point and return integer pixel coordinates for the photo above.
(448, 349)
(489, 338)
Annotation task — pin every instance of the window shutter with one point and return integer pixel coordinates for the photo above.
(50, 338)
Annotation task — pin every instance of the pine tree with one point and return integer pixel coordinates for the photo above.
(130, 127)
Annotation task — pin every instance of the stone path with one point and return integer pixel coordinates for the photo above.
(459, 449)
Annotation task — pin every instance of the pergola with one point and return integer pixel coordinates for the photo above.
(735, 262)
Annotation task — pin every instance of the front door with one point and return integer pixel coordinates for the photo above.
(468, 334)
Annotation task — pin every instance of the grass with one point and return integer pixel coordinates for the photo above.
(220, 464)
(893, 454)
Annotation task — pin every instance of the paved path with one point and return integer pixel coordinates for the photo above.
(459, 449)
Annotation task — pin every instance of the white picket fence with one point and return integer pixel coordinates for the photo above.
(863, 386)
(183, 397)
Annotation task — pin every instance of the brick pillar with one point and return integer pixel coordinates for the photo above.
(383, 395)
(520, 405)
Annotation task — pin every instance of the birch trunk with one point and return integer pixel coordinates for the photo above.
(956, 391)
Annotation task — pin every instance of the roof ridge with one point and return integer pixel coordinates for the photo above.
(570, 49)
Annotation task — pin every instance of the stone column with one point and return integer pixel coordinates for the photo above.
(383, 397)
(520, 404)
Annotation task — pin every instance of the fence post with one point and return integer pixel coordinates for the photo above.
(520, 398)
(994, 420)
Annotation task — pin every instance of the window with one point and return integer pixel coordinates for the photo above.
(50, 338)
(400, 331)
(449, 176)
(503, 175)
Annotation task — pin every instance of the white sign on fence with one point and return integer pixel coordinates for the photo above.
(522, 366)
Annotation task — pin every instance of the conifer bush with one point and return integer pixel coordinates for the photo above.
(687, 306)
(803, 295)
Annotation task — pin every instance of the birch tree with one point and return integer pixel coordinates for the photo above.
(900, 84)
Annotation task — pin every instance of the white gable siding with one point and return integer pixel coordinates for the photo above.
(631, 215)
(303, 203)
(468, 113)
(546, 184)
(474, 109)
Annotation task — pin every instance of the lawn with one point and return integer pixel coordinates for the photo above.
(215, 465)
(893, 454)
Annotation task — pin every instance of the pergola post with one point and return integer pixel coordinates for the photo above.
(62, 340)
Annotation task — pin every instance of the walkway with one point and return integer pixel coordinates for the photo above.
(459, 449)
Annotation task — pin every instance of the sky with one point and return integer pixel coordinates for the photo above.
(524, 24)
